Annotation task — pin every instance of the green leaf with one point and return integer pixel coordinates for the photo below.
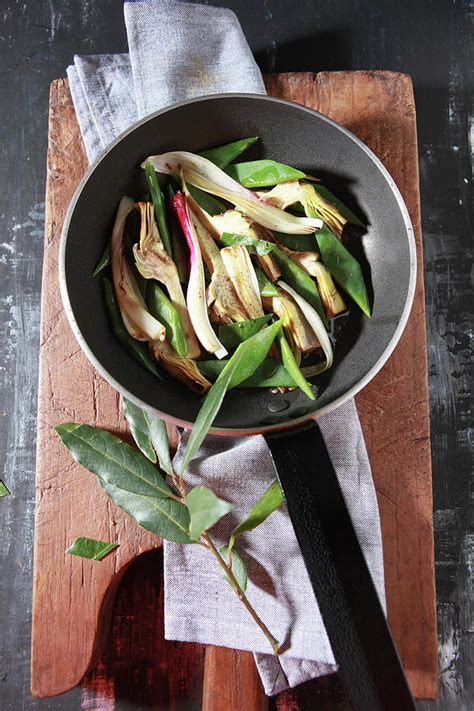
(345, 212)
(292, 367)
(223, 155)
(3, 490)
(343, 267)
(205, 510)
(112, 460)
(291, 272)
(238, 566)
(270, 374)
(232, 334)
(262, 173)
(160, 441)
(245, 361)
(166, 518)
(139, 428)
(103, 262)
(88, 548)
(266, 505)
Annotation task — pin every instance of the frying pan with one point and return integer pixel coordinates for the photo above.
(292, 134)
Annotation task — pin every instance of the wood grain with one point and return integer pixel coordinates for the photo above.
(75, 598)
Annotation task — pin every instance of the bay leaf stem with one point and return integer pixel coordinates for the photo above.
(241, 595)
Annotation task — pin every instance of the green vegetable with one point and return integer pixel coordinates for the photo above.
(137, 350)
(343, 267)
(292, 367)
(266, 505)
(270, 374)
(246, 359)
(266, 287)
(238, 566)
(206, 201)
(104, 261)
(180, 253)
(223, 155)
(297, 243)
(291, 272)
(139, 429)
(160, 306)
(345, 212)
(205, 510)
(159, 205)
(232, 334)
(3, 490)
(88, 548)
(262, 173)
(129, 479)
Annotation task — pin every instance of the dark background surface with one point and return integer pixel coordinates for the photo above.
(430, 41)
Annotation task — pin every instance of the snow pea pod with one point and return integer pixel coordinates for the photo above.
(291, 272)
(208, 202)
(343, 209)
(162, 309)
(223, 155)
(262, 173)
(343, 267)
(266, 287)
(297, 243)
(159, 205)
(137, 350)
(270, 374)
(233, 334)
(104, 261)
(292, 367)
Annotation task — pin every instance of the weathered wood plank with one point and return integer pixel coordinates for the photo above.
(379, 108)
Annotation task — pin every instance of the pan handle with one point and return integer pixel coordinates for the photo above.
(360, 638)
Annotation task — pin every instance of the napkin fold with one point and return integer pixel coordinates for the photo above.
(179, 51)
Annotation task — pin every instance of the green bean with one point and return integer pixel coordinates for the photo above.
(345, 212)
(179, 250)
(159, 205)
(343, 267)
(137, 350)
(165, 311)
(262, 173)
(104, 261)
(232, 334)
(289, 361)
(223, 155)
(291, 272)
(270, 374)
(208, 202)
(297, 243)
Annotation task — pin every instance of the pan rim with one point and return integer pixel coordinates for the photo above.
(268, 428)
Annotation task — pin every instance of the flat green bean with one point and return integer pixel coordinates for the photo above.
(137, 350)
(166, 312)
(292, 367)
(223, 155)
(262, 173)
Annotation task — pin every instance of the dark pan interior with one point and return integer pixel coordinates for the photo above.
(289, 134)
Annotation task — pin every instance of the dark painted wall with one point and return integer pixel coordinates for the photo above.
(430, 40)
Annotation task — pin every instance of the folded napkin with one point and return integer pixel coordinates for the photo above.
(179, 51)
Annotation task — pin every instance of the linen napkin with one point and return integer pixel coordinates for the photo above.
(179, 51)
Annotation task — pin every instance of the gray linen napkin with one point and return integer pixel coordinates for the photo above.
(179, 51)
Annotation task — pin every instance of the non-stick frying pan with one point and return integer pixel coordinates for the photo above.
(295, 135)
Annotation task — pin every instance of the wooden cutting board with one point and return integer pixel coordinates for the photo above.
(73, 599)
